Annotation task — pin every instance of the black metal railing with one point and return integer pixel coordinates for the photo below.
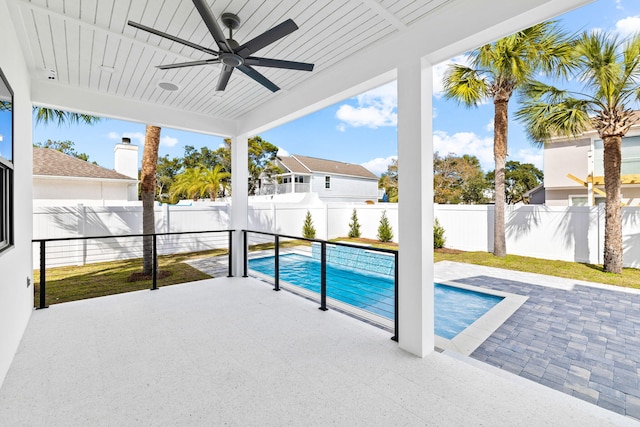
(73, 251)
(368, 262)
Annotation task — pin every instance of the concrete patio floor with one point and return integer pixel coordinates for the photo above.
(231, 351)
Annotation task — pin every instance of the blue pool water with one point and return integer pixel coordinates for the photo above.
(455, 308)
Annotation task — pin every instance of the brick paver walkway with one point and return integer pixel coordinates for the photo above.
(584, 341)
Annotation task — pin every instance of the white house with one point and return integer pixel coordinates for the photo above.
(60, 179)
(331, 180)
(574, 171)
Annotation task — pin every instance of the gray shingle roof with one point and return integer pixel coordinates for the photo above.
(303, 164)
(48, 162)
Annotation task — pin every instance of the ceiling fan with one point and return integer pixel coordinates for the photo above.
(231, 54)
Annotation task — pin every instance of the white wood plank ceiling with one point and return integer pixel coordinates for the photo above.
(90, 46)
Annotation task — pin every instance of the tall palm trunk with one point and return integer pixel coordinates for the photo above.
(148, 193)
(500, 129)
(613, 211)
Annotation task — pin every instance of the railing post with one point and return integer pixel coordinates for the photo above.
(323, 276)
(43, 279)
(245, 251)
(395, 300)
(230, 253)
(154, 273)
(276, 260)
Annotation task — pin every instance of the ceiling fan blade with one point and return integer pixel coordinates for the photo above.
(255, 75)
(212, 25)
(172, 38)
(266, 38)
(188, 64)
(277, 63)
(224, 77)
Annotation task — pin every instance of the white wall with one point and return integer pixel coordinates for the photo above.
(16, 298)
(87, 191)
(563, 233)
(344, 188)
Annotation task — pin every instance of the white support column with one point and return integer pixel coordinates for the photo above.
(239, 197)
(415, 208)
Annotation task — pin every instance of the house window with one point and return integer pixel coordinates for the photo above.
(299, 179)
(327, 182)
(6, 164)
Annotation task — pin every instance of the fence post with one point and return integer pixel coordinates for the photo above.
(395, 300)
(230, 254)
(245, 251)
(154, 273)
(43, 280)
(276, 260)
(323, 276)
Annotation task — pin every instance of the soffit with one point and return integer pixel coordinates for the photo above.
(105, 67)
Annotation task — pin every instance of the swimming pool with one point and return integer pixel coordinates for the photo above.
(455, 308)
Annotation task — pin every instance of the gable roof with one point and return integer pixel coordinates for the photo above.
(49, 162)
(304, 164)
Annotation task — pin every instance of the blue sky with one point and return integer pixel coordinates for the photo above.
(363, 129)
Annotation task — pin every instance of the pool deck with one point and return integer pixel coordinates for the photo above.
(573, 336)
(231, 351)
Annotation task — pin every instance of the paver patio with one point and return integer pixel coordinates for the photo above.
(577, 337)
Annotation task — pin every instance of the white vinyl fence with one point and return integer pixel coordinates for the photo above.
(570, 233)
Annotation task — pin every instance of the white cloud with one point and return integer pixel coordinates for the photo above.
(282, 152)
(379, 165)
(168, 141)
(374, 109)
(136, 137)
(529, 155)
(619, 5)
(628, 26)
(439, 70)
(490, 125)
(461, 143)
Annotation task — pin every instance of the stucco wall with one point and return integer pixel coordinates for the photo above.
(16, 298)
(561, 158)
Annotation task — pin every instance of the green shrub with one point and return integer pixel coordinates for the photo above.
(438, 235)
(354, 225)
(308, 230)
(385, 233)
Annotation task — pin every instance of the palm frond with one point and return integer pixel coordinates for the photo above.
(464, 84)
(60, 117)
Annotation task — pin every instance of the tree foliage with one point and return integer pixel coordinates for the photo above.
(197, 182)
(354, 225)
(609, 69)
(67, 147)
(495, 72)
(308, 230)
(438, 235)
(60, 117)
(458, 179)
(385, 232)
(519, 178)
(389, 181)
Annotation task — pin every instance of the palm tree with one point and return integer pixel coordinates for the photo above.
(148, 193)
(610, 71)
(496, 71)
(214, 180)
(196, 182)
(189, 183)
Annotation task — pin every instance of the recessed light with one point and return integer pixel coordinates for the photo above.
(168, 86)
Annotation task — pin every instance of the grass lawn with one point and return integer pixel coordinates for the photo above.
(630, 277)
(106, 278)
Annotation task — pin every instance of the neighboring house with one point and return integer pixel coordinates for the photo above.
(60, 179)
(333, 181)
(574, 171)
